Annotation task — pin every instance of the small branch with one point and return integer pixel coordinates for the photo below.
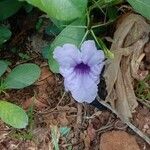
(51, 110)
(81, 27)
(130, 125)
(79, 114)
(142, 101)
(103, 24)
(84, 37)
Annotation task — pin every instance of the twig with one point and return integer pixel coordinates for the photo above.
(79, 114)
(142, 101)
(51, 110)
(130, 125)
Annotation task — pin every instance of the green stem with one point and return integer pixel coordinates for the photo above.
(85, 35)
(88, 19)
(82, 27)
(94, 36)
(101, 25)
(102, 45)
(94, 5)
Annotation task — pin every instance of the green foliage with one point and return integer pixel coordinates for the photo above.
(3, 67)
(71, 34)
(39, 24)
(24, 56)
(55, 136)
(8, 8)
(52, 30)
(22, 135)
(22, 76)
(65, 10)
(64, 131)
(106, 3)
(5, 34)
(143, 88)
(141, 6)
(13, 115)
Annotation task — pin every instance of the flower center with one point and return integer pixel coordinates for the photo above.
(82, 68)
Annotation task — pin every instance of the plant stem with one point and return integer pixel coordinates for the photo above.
(85, 35)
(101, 25)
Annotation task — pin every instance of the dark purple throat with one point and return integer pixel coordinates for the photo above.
(82, 68)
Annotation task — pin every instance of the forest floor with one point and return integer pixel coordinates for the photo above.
(54, 117)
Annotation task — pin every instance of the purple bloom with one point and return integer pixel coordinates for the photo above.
(80, 69)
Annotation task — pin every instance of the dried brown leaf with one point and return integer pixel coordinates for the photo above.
(129, 40)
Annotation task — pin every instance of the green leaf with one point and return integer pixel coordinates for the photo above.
(141, 6)
(70, 34)
(3, 67)
(112, 13)
(52, 30)
(64, 131)
(45, 52)
(13, 115)
(61, 9)
(8, 8)
(106, 3)
(5, 34)
(22, 76)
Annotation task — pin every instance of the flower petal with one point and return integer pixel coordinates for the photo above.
(67, 56)
(82, 87)
(90, 54)
(96, 71)
(68, 74)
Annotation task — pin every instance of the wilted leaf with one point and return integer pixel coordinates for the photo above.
(121, 71)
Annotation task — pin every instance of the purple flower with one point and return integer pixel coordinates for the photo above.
(80, 69)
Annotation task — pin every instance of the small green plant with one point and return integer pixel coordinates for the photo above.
(143, 88)
(21, 76)
(57, 133)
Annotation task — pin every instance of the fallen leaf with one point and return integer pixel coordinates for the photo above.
(33, 102)
(129, 40)
(62, 119)
(91, 132)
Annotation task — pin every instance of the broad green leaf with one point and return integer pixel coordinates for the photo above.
(13, 115)
(70, 34)
(61, 9)
(5, 34)
(22, 76)
(106, 3)
(141, 6)
(8, 8)
(3, 67)
(52, 30)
